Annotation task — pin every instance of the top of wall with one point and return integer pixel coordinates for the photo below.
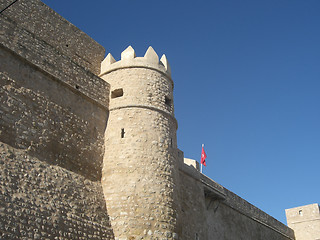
(304, 213)
(216, 191)
(34, 32)
(39, 19)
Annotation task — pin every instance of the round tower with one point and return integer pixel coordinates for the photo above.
(140, 165)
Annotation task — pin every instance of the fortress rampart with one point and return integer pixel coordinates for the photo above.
(51, 104)
(52, 120)
(221, 214)
(89, 149)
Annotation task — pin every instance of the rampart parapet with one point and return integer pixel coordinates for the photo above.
(129, 60)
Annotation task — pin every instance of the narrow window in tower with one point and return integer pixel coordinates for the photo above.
(171, 142)
(300, 212)
(117, 93)
(167, 101)
(122, 132)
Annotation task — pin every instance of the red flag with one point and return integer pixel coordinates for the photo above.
(203, 157)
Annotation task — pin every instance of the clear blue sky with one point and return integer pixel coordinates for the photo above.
(247, 85)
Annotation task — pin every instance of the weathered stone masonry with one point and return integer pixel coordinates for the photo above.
(88, 146)
(52, 121)
(42, 201)
(61, 104)
(140, 169)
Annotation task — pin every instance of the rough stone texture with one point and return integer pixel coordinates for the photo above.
(305, 221)
(50, 28)
(140, 170)
(235, 218)
(141, 87)
(49, 59)
(192, 205)
(50, 104)
(228, 223)
(55, 132)
(210, 211)
(52, 122)
(41, 201)
(53, 114)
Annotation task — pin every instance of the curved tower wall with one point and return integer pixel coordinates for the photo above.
(140, 168)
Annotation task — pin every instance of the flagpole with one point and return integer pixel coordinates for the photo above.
(200, 161)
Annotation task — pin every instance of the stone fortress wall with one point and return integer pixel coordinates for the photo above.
(53, 104)
(89, 151)
(221, 214)
(53, 114)
(43, 201)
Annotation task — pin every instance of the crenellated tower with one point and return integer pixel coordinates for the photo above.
(140, 166)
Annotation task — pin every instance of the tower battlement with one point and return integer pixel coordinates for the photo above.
(129, 60)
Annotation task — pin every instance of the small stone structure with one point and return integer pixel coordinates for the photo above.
(88, 146)
(305, 221)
